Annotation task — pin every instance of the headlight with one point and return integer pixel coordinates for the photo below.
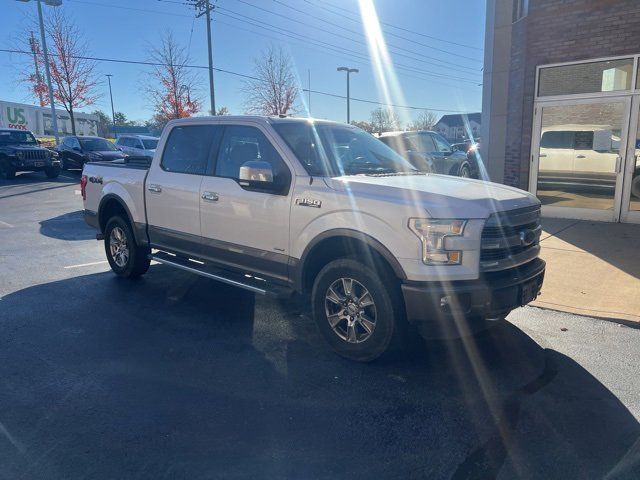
(432, 234)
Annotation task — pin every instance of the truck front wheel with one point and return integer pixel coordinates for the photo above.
(356, 311)
(125, 257)
(7, 171)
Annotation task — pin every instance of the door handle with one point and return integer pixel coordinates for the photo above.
(618, 163)
(542, 155)
(210, 196)
(154, 188)
(581, 156)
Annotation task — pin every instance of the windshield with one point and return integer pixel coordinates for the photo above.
(9, 137)
(96, 145)
(332, 150)
(150, 144)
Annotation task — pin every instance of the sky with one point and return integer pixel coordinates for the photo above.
(425, 54)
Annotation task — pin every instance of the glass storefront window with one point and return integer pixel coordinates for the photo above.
(634, 201)
(579, 147)
(606, 76)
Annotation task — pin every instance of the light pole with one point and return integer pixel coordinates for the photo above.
(113, 112)
(54, 119)
(349, 71)
(204, 7)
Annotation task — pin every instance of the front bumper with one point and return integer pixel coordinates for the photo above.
(493, 295)
(33, 165)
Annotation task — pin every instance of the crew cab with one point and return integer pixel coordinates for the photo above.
(276, 205)
(21, 152)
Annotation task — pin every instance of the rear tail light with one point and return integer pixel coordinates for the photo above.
(83, 186)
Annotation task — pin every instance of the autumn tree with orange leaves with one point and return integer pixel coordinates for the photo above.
(73, 77)
(173, 85)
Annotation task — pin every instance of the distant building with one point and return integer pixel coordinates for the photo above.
(38, 119)
(457, 127)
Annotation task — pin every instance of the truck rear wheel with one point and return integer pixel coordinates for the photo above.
(356, 311)
(125, 257)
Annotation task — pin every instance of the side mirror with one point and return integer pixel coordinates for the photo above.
(256, 171)
(76, 149)
(454, 148)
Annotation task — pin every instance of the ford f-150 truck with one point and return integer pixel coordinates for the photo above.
(283, 204)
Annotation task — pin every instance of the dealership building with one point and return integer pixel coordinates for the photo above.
(561, 104)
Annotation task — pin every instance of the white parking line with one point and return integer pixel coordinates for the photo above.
(86, 264)
(5, 224)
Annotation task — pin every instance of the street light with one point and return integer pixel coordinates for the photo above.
(54, 119)
(349, 71)
(113, 113)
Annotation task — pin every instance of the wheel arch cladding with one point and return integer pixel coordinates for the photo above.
(344, 243)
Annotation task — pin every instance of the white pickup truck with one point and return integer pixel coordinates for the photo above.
(283, 204)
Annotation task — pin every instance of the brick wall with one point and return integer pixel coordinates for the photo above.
(559, 31)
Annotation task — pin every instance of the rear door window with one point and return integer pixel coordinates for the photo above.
(557, 139)
(189, 148)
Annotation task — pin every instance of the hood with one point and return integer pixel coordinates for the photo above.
(22, 146)
(106, 155)
(443, 196)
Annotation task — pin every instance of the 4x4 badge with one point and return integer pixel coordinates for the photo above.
(308, 202)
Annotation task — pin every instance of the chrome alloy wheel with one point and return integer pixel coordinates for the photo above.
(118, 247)
(350, 310)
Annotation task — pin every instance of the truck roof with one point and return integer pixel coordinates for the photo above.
(256, 118)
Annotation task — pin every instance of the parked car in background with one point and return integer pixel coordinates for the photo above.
(430, 152)
(276, 205)
(75, 151)
(21, 152)
(138, 145)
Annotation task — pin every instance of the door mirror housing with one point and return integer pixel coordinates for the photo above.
(256, 172)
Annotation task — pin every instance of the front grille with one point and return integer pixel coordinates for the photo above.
(34, 154)
(510, 239)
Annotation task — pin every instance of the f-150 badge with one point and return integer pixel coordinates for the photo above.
(308, 202)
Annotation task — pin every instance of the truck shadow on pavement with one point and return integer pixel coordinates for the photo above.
(68, 226)
(27, 183)
(174, 376)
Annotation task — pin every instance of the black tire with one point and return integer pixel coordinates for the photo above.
(137, 258)
(387, 306)
(52, 172)
(7, 171)
(465, 171)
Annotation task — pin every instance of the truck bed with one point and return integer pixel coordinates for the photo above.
(122, 178)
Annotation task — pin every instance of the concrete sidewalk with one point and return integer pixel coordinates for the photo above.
(593, 268)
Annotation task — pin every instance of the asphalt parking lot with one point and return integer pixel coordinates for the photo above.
(174, 376)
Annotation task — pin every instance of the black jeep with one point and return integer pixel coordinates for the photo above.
(20, 152)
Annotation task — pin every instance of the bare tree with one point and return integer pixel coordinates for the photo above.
(364, 125)
(384, 120)
(73, 77)
(274, 90)
(426, 120)
(172, 86)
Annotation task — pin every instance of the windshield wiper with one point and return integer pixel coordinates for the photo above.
(394, 174)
